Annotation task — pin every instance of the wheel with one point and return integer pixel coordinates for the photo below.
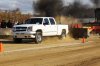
(63, 34)
(17, 40)
(38, 37)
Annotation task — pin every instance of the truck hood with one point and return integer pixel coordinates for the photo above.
(25, 25)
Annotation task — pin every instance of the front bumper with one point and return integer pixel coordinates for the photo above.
(24, 35)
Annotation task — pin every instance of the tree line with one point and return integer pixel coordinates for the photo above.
(13, 15)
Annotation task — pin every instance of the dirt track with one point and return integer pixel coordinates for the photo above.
(87, 54)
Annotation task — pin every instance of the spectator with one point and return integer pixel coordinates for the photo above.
(9, 24)
(3, 24)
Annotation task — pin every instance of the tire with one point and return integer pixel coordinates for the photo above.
(17, 40)
(63, 34)
(38, 37)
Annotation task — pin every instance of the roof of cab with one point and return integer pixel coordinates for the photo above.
(41, 17)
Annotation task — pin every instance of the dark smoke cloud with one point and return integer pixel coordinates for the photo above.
(49, 8)
(95, 2)
(52, 8)
(78, 10)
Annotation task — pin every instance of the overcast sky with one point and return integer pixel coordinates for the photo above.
(26, 5)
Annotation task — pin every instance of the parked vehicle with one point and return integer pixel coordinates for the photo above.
(38, 27)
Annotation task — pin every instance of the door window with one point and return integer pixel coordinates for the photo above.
(52, 21)
(46, 21)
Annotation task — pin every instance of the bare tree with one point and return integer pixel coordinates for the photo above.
(49, 7)
(13, 15)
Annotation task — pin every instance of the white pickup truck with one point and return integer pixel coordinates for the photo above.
(38, 27)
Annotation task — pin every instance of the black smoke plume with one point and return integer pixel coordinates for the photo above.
(49, 8)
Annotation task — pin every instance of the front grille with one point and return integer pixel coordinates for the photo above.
(21, 28)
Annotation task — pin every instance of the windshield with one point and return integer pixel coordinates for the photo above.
(34, 21)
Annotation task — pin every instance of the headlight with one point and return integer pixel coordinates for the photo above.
(29, 28)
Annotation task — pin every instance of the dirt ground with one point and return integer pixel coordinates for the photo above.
(52, 52)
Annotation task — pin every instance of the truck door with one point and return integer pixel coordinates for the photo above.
(53, 26)
(47, 31)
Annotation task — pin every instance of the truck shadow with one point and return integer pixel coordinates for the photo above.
(31, 41)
